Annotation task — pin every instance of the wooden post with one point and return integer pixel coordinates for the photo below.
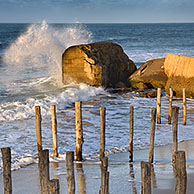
(6, 157)
(159, 105)
(106, 182)
(181, 173)
(174, 131)
(145, 178)
(79, 130)
(102, 131)
(44, 171)
(54, 129)
(38, 127)
(152, 135)
(184, 107)
(70, 172)
(104, 163)
(170, 106)
(131, 135)
(54, 186)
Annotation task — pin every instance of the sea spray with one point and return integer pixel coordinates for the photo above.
(38, 52)
(32, 72)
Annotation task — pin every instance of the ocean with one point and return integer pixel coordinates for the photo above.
(30, 75)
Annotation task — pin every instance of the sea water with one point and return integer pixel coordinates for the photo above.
(30, 75)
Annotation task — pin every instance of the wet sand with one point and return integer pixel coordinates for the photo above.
(124, 177)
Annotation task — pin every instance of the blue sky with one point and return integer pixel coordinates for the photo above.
(97, 11)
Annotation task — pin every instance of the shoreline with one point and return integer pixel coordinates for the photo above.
(124, 177)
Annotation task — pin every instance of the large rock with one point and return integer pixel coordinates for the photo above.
(98, 64)
(150, 75)
(180, 72)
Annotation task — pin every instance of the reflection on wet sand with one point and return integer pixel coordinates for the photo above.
(56, 166)
(81, 178)
(154, 182)
(104, 188)
(132, 175)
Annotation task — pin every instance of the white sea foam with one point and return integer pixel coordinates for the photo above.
(142, 57)
(38, 51)
(17, 110)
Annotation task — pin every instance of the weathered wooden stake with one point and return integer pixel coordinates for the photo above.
(54, 129)
(44, 171)
(170, 106)
(174, 131)
(79, 130)
(104, 163)
(54, 186)
(181, 173)
(70, 172)
(131, 134)
(106, 174)
(152, 135)
(102, 131)
(145, 177)
(6, 157)
(184, 107)
(159, 105)
(38, 127)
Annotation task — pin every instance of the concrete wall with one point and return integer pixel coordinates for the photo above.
(175, 65)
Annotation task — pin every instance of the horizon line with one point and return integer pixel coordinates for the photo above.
(97, 22)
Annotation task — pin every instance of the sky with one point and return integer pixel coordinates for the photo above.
(96, 11)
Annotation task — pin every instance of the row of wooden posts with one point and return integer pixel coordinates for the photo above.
(79, 129)
(52, 186)
(159, 92)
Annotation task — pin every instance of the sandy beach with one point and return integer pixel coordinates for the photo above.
(124, 177)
